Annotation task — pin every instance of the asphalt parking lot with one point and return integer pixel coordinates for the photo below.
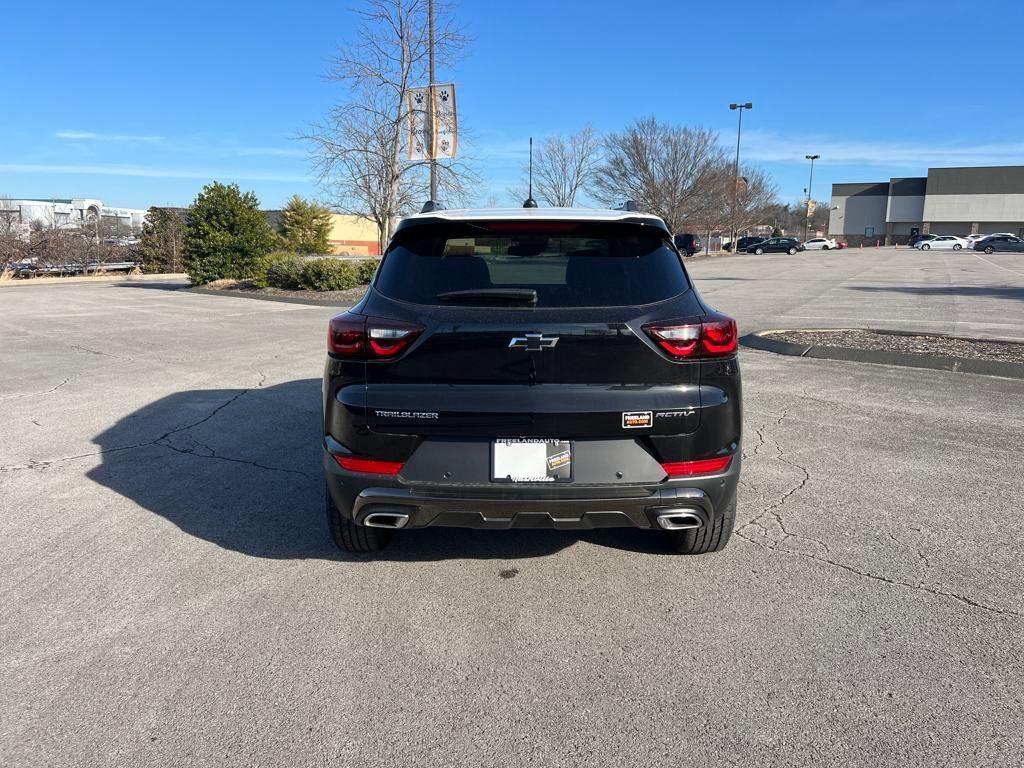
(170, 595)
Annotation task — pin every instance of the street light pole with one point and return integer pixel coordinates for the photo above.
(736, 175)
(433, 125)
(810, 182)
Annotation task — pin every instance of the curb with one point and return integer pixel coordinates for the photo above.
(884, 357)
(80, 279)
(264, 297)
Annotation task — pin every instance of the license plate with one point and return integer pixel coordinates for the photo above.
(526, 460)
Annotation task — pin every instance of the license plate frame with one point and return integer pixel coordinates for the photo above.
(518, 460)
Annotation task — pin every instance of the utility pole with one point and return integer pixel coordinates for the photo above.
(433, 124)
(807, 212)
(736, 175)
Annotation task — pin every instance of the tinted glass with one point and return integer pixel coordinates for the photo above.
(567, 264)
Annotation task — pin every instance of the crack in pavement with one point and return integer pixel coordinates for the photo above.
(214, 455)
(164, 442)
(37, 394)
(773, 544)
(80, 348)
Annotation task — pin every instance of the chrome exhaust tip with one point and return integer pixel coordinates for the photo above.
(391, 520)
(679, 519)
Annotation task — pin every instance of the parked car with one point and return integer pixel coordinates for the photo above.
(915, 239)
(821, 244)
(744, 242)
(688, 244)
(943, 243)
(592, 404)
(972, 239)
(841, 244)
(994, 243)
(776, 245)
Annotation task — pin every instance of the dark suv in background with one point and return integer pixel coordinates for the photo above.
(532, 368)
(688, 244)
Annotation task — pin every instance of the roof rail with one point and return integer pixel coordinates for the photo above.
(629, 205)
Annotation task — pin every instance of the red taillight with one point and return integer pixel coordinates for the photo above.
(369, 466)
(699, 467)
(345, 336)
(715, 336)
(368, 337)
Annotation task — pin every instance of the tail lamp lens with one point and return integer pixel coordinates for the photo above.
(368, 338)
(699, 467)
(715, 336)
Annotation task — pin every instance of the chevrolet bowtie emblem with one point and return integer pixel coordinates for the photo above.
(533, 342)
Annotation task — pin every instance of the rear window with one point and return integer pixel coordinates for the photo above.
(567, 264)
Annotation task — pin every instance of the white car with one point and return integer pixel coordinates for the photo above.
(942, 243)
(821, 244)
(972, 239)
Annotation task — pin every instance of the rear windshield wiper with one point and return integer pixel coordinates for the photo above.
(490, 295)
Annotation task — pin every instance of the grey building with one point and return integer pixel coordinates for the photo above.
(948, 201)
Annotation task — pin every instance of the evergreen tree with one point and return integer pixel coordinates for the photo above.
(163, 234)
(306, 226)
(227, 236)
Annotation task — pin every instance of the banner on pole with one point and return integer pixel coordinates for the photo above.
(420, 133)
(446, 123)
(433, 122)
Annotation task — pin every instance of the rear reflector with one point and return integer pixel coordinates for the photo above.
(699, 467)
(369, 466)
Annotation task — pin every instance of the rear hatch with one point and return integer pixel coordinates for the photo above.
(532, 330)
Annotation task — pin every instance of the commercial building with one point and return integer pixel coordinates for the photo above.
(23, 214)
(948, 201)
(350, 235)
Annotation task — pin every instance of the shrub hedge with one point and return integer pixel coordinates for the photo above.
(292, 272)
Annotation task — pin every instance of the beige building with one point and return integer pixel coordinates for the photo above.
(353, 235)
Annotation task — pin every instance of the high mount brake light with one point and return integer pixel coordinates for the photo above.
(369, 338)
(699, 467)
(530, 227)
(715, 336)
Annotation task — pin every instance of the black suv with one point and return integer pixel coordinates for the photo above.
(535, 368)
(688, 244)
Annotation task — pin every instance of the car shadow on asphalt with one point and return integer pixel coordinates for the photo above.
(241, 468)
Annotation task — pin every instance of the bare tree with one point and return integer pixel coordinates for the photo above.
(665, 169)
(360, 151)
(755, 201)
(563, 166)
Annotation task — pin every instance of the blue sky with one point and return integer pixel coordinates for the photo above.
(142, 104)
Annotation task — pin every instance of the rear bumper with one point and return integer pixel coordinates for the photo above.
(571, 508)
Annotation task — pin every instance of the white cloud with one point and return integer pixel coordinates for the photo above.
(92, 136)
(149, 172)
(766, 147)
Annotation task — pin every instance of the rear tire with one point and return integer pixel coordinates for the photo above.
(957, 247)
(792, 251)
(709, 538)
(350, 537)
(824, 247)
(759, 251)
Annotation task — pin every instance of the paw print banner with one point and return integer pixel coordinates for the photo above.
(420, 133)
(446, 124)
